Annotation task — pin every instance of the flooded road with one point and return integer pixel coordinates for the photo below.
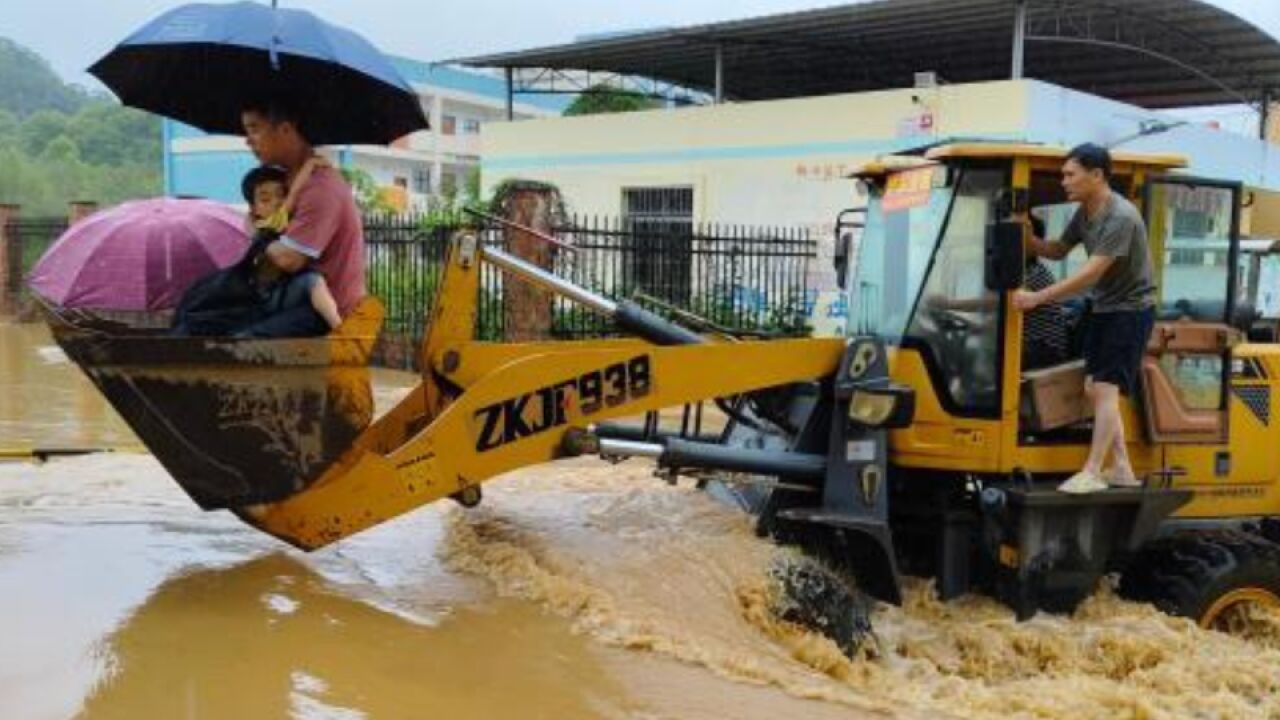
(45, 402)
(580, 590)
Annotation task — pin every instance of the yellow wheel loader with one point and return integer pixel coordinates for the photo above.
(928, 441)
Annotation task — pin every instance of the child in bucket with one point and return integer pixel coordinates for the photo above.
(266, 188)
(230, 301)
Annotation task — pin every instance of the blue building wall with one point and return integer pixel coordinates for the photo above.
(179, 131)
(212, 175)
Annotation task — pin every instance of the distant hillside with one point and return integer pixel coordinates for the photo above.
(28, 83)
(60, 143)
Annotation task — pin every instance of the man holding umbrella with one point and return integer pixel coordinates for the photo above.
(289, 82)
(324, 229)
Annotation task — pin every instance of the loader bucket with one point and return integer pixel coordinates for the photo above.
(234, 421)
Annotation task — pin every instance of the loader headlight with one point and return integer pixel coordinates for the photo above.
(889, 407)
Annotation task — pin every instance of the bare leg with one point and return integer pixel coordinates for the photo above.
(1089, 479)
(322, 300)
(1121, 474)
(1120, 454)
(1107, 427)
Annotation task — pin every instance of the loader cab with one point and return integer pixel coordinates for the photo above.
(926, 279)
(917, 282)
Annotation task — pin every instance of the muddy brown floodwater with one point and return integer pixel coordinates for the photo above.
(579, 590)
(48, 403)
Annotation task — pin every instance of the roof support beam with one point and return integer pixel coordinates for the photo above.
(1122, 27)
(511, 94)
(719, 73)
(553, 81)
(1019, 39)
(1150, 53)
(1264, 113)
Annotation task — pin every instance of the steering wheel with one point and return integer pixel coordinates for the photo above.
(951, 321)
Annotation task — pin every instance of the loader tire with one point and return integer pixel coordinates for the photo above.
(1214, 577)
(822, 599)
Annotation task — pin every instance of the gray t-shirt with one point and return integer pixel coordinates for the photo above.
(1116, 231)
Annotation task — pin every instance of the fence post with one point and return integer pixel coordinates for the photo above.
(78, 210)
(10, 265)
(526, 308)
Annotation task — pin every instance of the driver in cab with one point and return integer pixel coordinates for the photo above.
(1045, 339)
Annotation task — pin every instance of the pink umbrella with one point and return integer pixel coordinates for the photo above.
(140, 255)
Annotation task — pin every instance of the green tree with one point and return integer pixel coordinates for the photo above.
(368, 195)
(109, 134)
(9, 125)
(59, 143)
(61, 149)
(599, 99)
(13, 184)
(39, 128)
(472, 189)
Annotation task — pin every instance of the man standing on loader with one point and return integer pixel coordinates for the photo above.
(1123, 305)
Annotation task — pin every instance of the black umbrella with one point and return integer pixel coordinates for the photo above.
(202, 64)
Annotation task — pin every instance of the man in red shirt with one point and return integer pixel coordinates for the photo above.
(324, 231)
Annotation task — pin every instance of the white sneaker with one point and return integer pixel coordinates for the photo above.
(1083, 483)
(1116, 480)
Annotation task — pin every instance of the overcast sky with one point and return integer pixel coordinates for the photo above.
(71, 34)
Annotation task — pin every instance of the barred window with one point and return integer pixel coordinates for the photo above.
(658, 260)
(422, 180)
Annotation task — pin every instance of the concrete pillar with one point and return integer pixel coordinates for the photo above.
(719, 86)
(78, 210)
(10, 261)
(526, 309)
(437, 120)
(1018, 62)
(1271, 124)
(437, 145)
(166, 155)
(511, 94)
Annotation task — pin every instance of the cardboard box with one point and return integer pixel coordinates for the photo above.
(1054, 397)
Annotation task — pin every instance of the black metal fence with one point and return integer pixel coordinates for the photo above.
(26, 239)
(744, 279)
(404, 262)
(747, 279)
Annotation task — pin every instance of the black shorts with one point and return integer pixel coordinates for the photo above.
(1113, 346)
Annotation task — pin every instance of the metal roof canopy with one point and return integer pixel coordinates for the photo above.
(1151, 53)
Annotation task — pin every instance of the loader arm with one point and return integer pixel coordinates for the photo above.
(484, 409)
(518, 414)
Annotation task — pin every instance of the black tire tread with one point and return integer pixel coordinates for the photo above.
(1184, 573)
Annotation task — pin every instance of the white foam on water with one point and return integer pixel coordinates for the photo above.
(639, 565)
(280, 604)
(52, 355)
(303, 705)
